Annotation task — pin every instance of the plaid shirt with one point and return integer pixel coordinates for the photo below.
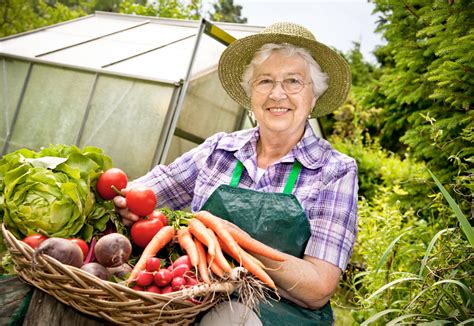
(326, 187)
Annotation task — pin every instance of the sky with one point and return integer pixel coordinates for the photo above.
(336, 23)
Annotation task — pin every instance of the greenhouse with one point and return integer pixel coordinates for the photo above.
(143, 89)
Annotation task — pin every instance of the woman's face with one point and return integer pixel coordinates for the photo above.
(277, 111)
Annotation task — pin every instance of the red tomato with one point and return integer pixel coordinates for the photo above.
(144, 230)
(112, 177)
(141, 200)
(159, 215)
(82, 244)
(34, 240)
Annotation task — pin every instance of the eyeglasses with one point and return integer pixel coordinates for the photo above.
(290, 85)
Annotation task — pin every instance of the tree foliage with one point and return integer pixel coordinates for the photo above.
(17, 16)
(426, 88)
(226, 11)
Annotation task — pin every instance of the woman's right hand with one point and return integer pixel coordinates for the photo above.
(128, 218)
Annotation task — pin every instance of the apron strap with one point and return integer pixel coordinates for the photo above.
(234, 182)
(290, 183)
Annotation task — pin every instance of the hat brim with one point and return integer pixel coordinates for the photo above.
(238, 55)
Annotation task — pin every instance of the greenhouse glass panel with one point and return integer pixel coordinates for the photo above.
(124, 45)
(11, 82)
(95, 26)
(169, 63)
(53, 107)
(178, 147)
(34, 44)
(126, 120)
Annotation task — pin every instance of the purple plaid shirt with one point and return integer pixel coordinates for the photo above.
(326, 187)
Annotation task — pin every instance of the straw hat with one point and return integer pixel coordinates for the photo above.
(239, 54)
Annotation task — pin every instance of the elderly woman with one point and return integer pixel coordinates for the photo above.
(279, 182)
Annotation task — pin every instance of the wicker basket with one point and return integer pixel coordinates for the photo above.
(111, 301)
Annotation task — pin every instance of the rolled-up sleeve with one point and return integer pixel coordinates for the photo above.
(333, 215)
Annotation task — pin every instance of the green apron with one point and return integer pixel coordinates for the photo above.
(278, 220)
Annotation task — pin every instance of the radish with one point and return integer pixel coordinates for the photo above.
(153, 264)
(178, 283)
(62, 250)
(154, 289)
(144, 278)
(166, 289)
(183, 260)
(179, 270)
(113, 250)
(163, 277)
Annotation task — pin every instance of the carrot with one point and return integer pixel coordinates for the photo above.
(186, 242)
(220, 259)
(250, 244)
(199, 230)
(251, 265)
(159, 240)
(213, 222)
(202, 265)
(215, 268)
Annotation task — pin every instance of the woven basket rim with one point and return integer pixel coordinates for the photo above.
(117, 298)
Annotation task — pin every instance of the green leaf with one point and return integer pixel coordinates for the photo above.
(378, 315)
(465, 225)
(389, 285)
(430, 247)
(388, 250)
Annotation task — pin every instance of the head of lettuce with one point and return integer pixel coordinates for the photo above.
(53, 192)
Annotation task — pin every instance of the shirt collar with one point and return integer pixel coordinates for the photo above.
(311, 150)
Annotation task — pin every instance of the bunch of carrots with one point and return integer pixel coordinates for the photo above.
(207, 239)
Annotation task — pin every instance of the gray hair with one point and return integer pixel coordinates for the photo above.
(318, 77)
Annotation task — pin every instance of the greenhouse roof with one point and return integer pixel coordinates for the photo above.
(143, 47)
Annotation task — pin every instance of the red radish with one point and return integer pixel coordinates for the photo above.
(166, 289)
(138, 288)
(153, 264)
(182, 260)
(178, 283)
(144, 278)
(162, 277)
(179, 270)
(191, 281)
(153, 288)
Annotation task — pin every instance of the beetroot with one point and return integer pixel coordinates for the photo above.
(96, 269)
(113, 250)
(63, 250)
(121, 271)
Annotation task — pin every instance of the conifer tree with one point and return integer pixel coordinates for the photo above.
(427, 86)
